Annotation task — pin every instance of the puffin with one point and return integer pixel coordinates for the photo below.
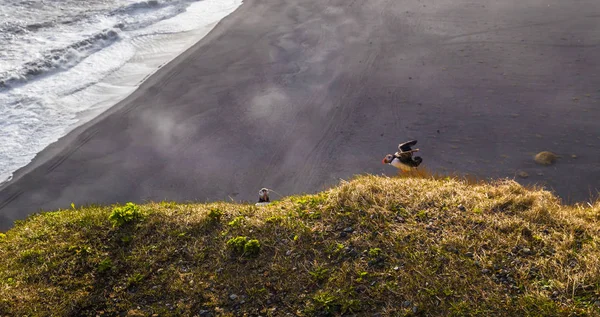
(263, 197)
(403, 159)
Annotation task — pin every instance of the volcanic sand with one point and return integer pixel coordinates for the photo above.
(294, 95)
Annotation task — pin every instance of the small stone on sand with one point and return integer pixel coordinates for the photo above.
(545, 158)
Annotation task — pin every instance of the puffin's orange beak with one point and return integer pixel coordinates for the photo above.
(383, 161)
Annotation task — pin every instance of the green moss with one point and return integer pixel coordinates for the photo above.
(320, 273)
(252, 247)
(237, 221)
(31, 257)
(104, 265)
(215, 214)
(124, 214)
(374, 252)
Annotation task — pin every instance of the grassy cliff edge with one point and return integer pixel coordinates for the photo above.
(372, 246)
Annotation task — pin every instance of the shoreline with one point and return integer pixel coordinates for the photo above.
(148, 58)
(317, 92)
(92, 116)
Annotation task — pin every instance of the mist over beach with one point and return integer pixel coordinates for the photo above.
(100, 102)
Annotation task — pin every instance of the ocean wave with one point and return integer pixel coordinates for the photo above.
(10, 28)
(130, 14)
(58, 59)
(145, 6)
(128, 18)
(137, 6)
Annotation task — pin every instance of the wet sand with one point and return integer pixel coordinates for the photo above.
(294, 95)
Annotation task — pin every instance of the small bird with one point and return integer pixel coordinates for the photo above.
(403, 159)
(263, 197)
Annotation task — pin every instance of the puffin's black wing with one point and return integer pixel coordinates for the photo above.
(406, 146)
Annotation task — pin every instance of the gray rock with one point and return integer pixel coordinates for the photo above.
(288, 252)
(349, 230)
(396, 268)
(233, 297)
(406, 303)
(485, 271)
(462, 208)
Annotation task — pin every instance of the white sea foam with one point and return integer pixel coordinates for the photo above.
(59, 76)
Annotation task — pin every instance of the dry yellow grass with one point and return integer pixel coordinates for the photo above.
(412, 245)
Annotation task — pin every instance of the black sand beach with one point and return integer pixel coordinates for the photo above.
(294, 95)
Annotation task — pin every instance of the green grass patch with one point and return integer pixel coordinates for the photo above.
(418, 245)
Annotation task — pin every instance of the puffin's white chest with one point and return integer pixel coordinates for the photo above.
(397, 164)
